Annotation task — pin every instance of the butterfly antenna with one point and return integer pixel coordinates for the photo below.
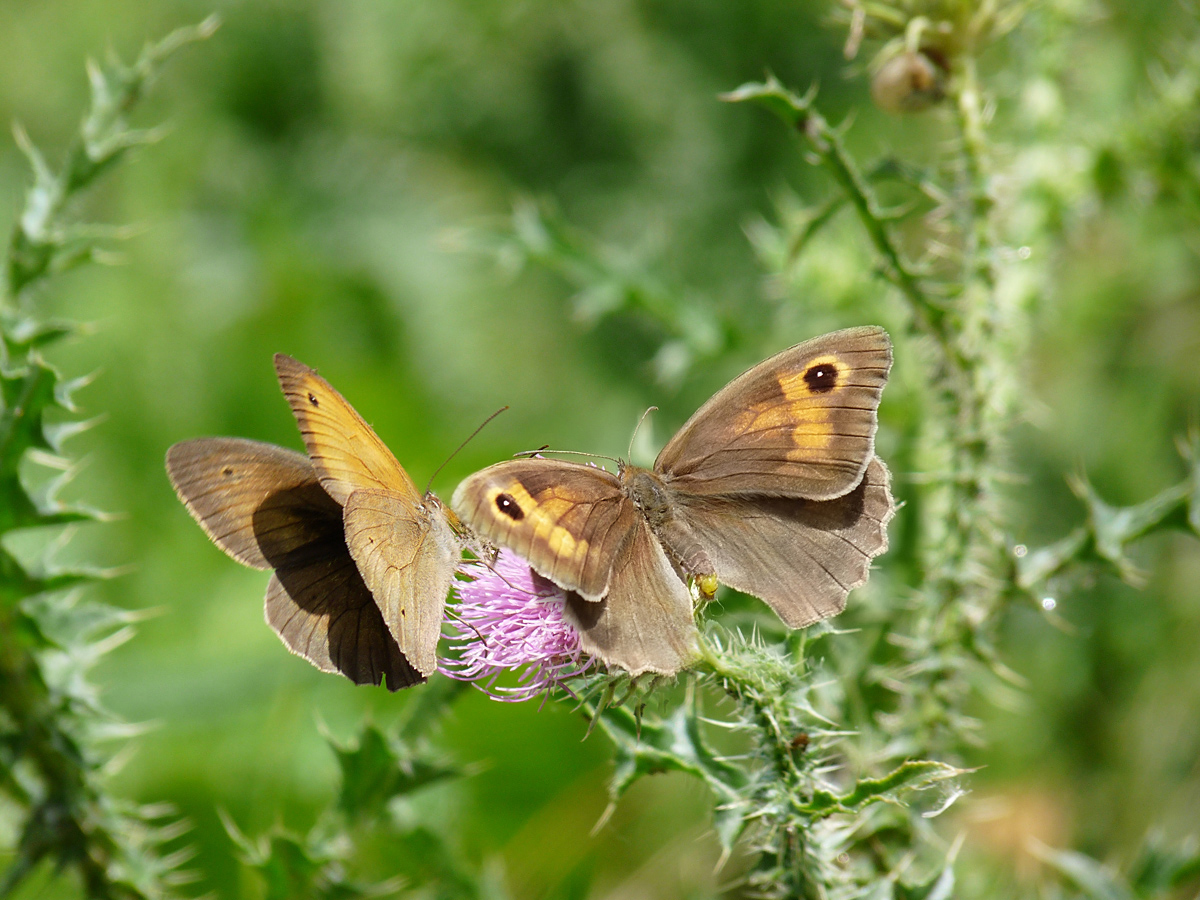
(470, 438)
(546, 447)
(532, 453)
(633, 437)
(454, 615)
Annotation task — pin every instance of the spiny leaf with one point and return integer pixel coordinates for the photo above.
(1095, 880)
(1037, 565)
(291, 868)
(47, 640)
(26, 393)
(792, 108)
(68, 617)
(1159, 869)
(427, 707)
(426, 860)
(42, 242)
(645, 747)
(22, 334)
(1110, 529)
(1113, 527)
(375, 770)
(910, 775)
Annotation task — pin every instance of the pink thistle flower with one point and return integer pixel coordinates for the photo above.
(509, 617)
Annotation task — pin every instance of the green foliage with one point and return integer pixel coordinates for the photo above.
(1027, 241)
(1157, 872)
(45, 240)
(375, 771)
(1109, 531)
(611, 283)
(649, 747)
(52, 768)
(380, 773)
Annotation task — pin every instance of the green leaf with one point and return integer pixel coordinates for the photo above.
(26, 333)
(293, 867)
(1110, 529)
(1194, 499)
(375, 770)
(67, 617)
(1113, 527)
(1159, 869)
(790, 107)
(908, 776)
(1095, 880)
(426, 860)
(17, 583)
(43, 242)
(426, 707)
(1037, 565)
(939, 887)
(645, 747)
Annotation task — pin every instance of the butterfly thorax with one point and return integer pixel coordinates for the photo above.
(647, 491)
(651, 495)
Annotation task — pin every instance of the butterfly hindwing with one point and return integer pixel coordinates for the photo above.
(800, 556)
(644, 623)
(254, 500)
(321, 609)
(265, 507)
(406, 553)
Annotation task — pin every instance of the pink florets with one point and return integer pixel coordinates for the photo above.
(509, 617)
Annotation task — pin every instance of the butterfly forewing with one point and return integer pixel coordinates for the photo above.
(569, 521)
(406, 553)
(800, 556)
(401, 542)
(800, 424)
(345, 451)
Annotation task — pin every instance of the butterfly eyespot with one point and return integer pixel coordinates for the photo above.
(227, 471)
(821, 378)
(507, 505)
(312, 398)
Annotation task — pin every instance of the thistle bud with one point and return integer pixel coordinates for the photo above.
(908, 82)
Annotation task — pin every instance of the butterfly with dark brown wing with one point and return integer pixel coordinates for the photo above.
(362, 560)
(772, 488)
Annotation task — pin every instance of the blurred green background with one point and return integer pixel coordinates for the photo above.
(324, 167)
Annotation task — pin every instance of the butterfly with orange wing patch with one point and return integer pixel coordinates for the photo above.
(772, 488)
(362, 560)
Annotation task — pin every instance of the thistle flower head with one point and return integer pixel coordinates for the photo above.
(509, 617)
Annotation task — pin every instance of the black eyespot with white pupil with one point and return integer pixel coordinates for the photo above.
(821, 378)
(312, 398)
(509, 506)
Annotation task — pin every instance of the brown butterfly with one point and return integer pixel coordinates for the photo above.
(362, 560)
(772, 487)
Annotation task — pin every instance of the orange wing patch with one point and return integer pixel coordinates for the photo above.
(512, 501)
(808, 424)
